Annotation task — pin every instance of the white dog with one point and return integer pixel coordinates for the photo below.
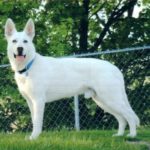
(44, 79)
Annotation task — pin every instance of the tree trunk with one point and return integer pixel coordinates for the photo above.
(83, 28)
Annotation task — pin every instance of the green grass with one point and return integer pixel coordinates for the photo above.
(72, 140)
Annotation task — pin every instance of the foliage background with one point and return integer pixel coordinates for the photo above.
(65, 27)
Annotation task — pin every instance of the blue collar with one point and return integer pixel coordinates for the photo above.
(27, 67)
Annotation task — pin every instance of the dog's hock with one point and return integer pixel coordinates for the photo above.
(9, 28)
(30, 29)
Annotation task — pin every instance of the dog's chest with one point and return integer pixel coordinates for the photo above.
(22, 82)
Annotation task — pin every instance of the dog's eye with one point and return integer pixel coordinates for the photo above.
(14, 41)
(25, 41)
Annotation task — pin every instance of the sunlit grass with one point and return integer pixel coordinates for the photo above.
(72, 140)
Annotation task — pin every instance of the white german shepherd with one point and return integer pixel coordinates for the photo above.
(43, 79)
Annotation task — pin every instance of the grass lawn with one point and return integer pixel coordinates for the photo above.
(72, 140)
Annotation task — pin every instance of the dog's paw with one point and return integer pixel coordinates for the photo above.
(31, 137)
(131, 135)
(27, 137)
(34, 135)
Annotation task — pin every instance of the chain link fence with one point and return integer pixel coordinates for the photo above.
(82, 113)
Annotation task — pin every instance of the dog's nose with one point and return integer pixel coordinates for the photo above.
(20, 50)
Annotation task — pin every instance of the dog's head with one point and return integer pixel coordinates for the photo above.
(20, 48)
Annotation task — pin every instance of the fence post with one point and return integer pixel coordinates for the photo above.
(76, 109)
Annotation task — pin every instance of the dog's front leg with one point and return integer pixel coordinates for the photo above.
(37, 120)
(29, 102)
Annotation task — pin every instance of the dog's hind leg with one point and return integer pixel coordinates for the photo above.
(134, 114)
(122, 124)
(115, 100)
(128, 113)
(130, 116)
(121, 120)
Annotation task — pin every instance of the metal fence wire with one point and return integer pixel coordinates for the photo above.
(133, 62)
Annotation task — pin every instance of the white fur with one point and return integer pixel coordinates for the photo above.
(50, 79)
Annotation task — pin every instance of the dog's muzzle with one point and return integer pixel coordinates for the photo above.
(20, 56)
(15, 56)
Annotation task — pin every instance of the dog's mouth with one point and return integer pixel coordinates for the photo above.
(19, 57)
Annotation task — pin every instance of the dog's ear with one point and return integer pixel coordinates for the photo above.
(9, 28)
(30, 29)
